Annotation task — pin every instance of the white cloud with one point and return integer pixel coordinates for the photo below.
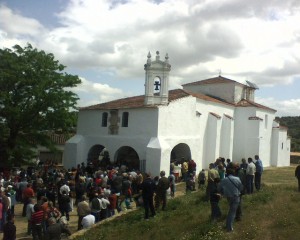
(254, 40)
(93, 93)
(290, 107)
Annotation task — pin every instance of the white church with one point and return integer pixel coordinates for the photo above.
(204, 120)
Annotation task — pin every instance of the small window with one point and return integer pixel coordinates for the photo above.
(104, 119)
(125, 116)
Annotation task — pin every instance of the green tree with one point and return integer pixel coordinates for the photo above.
(35, 98)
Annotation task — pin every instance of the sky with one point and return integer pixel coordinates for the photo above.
(106, 42)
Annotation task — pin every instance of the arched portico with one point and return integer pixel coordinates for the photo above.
(127, 156)
(180, 151)
(99, 156)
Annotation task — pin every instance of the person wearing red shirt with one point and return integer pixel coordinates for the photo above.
(37, 221)
(26, 195)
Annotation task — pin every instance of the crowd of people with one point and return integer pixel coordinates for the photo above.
(231, 180)
(49, 193)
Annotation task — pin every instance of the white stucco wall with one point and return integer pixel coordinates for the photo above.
(280, 153)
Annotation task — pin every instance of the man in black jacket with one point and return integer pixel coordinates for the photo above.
(148, 187)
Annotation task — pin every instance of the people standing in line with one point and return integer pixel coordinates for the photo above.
(250, 171)
(161, 191)
(231, 187)
(258, 172)
(148, 187)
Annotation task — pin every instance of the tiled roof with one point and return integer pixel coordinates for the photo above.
(214, 80)
(138, 101)
(247, 103)
(59, 139)
(226, 115)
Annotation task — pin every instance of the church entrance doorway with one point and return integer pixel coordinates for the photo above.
(181, 152)
(98, 156)
(127, 156)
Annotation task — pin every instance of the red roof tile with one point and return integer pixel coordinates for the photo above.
(255, 118)
(214, 80)
(215, 115)
(248, 103)
(138, 101)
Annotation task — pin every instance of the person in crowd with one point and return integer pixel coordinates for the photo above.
(258, 172)
(221, 170)
(64, 205)
(201, 179)
(172, 184)
(231, 187)
(113, 204)
(26, 195)
(55, 230)
(5, 205)
(184, 169)
(9, 229)
(244, 164)
(83, 209)
(52, 212)
(36, 222)
(161, 191)
(214, 201)
(13, 201)
(104, 207)
(1, 216)
(211, 175)
(148, 188)
(88, 221)
(29, 212)
(297, 175)
(192, 166)
(250, 171)
(95, 206)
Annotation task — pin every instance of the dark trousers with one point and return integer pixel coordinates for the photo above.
(215, 210)
(79, 226)
(37, 232)
(161, 197)
(249, 183)
(257, 180)
(25, 202)
(148, 204)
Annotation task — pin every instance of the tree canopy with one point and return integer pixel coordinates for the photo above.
(35, 98)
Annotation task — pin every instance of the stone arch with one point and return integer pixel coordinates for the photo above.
(127, 156)
(98, 156)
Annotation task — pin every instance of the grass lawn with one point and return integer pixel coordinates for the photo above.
(272, 213)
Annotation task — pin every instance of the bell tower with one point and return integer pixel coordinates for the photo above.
(157, 80)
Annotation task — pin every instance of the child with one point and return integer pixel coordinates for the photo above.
(214, 200)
